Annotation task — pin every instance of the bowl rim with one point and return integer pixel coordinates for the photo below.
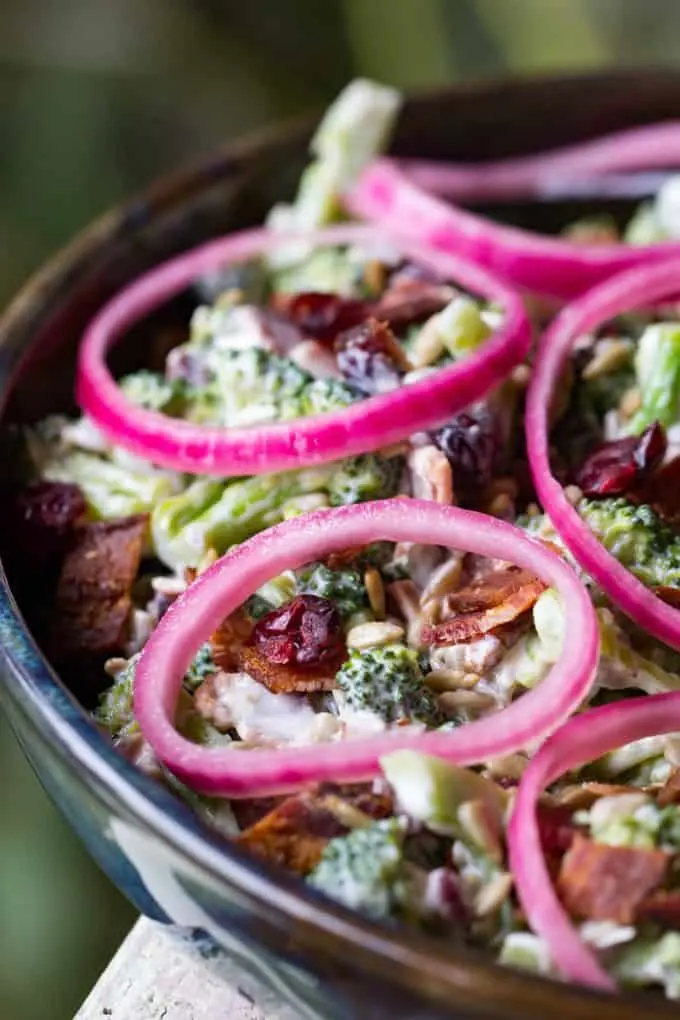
(443, 975)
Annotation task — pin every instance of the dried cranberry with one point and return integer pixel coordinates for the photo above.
(307, 631)
(371, 358)
(616, 467)
(322, 316)
(471, 444)
(556, 831)
(42, 518)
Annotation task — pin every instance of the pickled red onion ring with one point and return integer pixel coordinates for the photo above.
(640, 287)
(554, 171)
(554, 268)
(362, 427)
(582, 739)
(196, 614)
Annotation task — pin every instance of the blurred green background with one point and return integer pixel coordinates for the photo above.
(99, 96)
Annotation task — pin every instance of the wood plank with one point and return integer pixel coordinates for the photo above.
(160, 973)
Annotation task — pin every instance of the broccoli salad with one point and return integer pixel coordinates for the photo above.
(389, 637)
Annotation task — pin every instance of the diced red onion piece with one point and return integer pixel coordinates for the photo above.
(198, 612)
(377, 421)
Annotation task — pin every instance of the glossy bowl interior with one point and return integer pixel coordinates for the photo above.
(327, 961)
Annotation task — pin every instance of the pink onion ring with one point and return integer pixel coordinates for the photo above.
(582, 739)
(542, 265)
(224, 586)
(643, 286)
(377, 421)
(653, 146)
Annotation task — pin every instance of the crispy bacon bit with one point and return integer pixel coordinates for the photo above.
(320, 315)
(93, 601)
(670, 791)
(371, 358)
(617, 467)
(492, 601)
(661, 491)
(228, 640)
(608, 883)
(248, 812)
(663, 907)
(669, 595)
(411, 299)
(344, 557)
(295, 833)
(280, 679)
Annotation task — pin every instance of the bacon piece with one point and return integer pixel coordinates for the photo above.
(285, 679)
(248, 812)
(410, 300)
(93, 600)
(669, 595)
(492, 601)
(608, 883)
(661, 491)
(663, 907)
(228, 640)
(295, 833)
(670, 791)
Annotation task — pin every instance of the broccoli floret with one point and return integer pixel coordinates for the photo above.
(202, 666)
(637, 537)
(367, 477)
(657, 368)
(343, 587)
(366, 870)
(323, 395)
(114, 711)
(650, 960)
(156, 393)
(327, 270)
(389, 682)
(253, 386)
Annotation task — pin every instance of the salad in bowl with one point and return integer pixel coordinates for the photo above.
(380, 572)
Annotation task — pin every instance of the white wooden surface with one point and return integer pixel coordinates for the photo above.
(158, 975)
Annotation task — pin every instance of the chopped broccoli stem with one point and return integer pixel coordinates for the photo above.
(657, 367)
(637, 537)
(389, 682)
(365, 869)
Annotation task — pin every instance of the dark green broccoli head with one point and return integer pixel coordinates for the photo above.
(365, 869)
(388, 681)
(637, 537)
(363, 478)
(202, 666)
(343, 587)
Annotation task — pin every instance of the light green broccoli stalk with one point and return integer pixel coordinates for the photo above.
(389, 682)
(430, 790)
(355, 128)
(637, 537)
(366, 870)
(344, 587)
(215, 515)
(273, 594)
(113, 483)
(649, 961)
(657, 369)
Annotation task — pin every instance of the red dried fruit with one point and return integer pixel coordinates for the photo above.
(322, 316)
(306, 632)
(44, 516)
(371, 358)
(617, 467)
(472, 445)
(556, 829)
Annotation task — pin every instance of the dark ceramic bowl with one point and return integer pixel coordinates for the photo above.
(325, 960)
